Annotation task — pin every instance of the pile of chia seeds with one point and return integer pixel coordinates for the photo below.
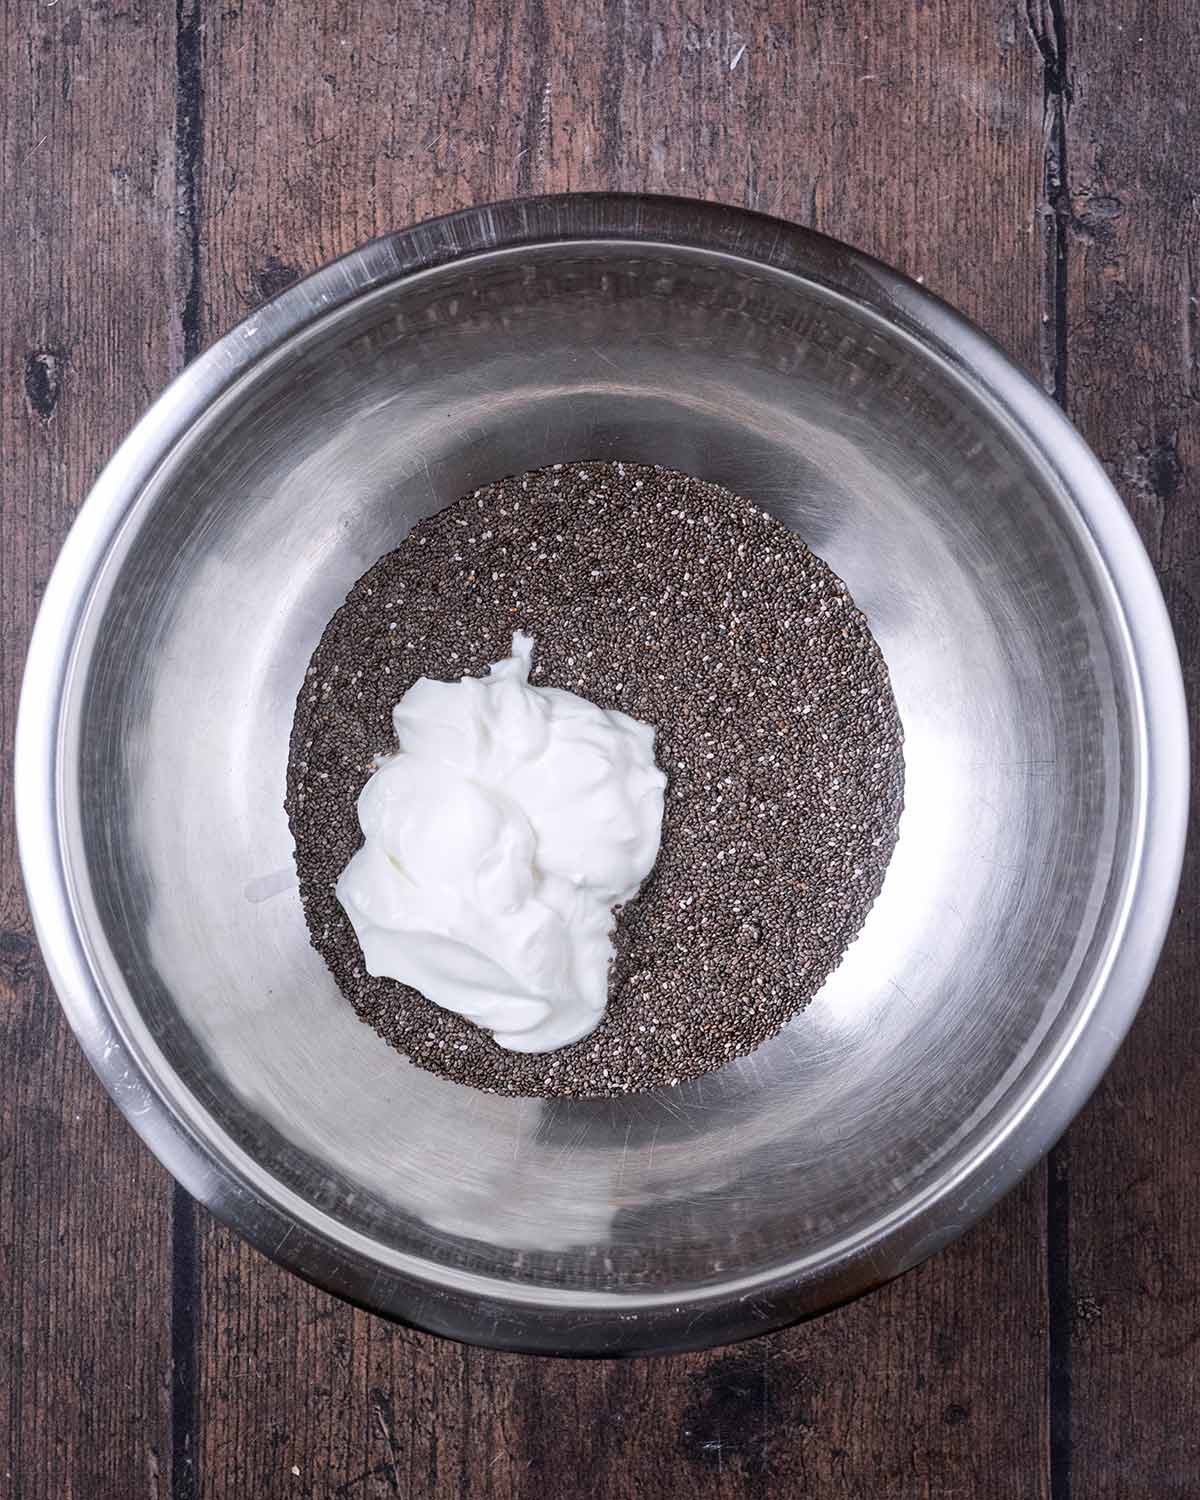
(688, 607)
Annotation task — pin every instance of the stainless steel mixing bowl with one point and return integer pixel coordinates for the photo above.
(1023, 911)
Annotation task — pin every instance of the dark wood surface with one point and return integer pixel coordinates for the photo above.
(165, 169)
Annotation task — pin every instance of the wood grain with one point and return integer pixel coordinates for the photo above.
(1133, 385)
(166, 169)
(933, 1386)
(86, 292)
(915, 132)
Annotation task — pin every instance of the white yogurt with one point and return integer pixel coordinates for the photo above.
(497, 842)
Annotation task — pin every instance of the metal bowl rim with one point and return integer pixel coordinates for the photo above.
(489, 1310)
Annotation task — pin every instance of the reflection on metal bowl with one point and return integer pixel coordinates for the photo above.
(1031, 660)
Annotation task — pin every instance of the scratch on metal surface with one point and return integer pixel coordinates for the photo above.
(571, 1146)
(624, 1156)
(518, 1135)
(600, 354)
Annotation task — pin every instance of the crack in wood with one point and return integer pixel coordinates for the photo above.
(185, 1264)
(1047, 25)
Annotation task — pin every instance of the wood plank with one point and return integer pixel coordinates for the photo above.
(86, 288)
(932, 1386)
(913, 131)
(1133, 386)
(331, 125)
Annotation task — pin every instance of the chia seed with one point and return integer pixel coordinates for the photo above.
(692, 609)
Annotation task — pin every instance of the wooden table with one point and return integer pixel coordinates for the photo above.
(167, 167)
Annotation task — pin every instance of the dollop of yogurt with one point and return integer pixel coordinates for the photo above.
(497, 842)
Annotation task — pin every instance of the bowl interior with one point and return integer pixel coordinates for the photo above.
(980, 585)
